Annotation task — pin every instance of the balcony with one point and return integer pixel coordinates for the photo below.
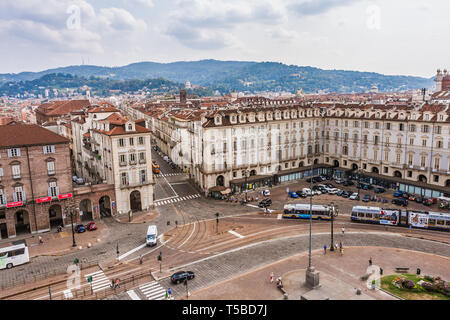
(16, 176)
(135, 184)
(142, 161)
(123, 163)
(132, 162)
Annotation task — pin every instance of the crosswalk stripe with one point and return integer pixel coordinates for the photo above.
(153, 291)
(99, 281)
(152, 297)
(133, 295)
(148, 285)
(184, 198)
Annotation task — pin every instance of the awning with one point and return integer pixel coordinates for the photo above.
(217, 189)
(227, 191)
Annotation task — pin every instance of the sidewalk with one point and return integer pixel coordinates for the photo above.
(339, 275)
(56, 244)
(139, 217)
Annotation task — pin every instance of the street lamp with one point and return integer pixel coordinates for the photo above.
(70, 209)
(246, 186)
(331, 211)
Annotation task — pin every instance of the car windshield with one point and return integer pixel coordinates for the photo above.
(150, 237)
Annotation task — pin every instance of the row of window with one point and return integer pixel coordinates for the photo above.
(123, 142)
(125, 178)
(15, 170)
(19, 193)
(132, 157)
(425, 128)
(15, 152)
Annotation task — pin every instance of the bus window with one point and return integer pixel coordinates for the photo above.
(447, 222)
(354, 214)
(18, 252)
(440, 222)
(432, 222)
(361, 215)
(368, 215)
(376, 216)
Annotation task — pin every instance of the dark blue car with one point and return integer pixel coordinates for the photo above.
(80, 228)
(292, 194)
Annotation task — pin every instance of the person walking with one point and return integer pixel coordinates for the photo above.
(271, 277)
(324, 249)
(112, 284)
(370, 261)
(117, 283)
(169, 292)
(343, 230)
(141, 259)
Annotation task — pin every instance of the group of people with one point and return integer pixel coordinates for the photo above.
(115, 283)
(336, 246)
(279, 281)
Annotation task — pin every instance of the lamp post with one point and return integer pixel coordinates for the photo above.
(70, 210)
(117, 249)
(331, 211)
(246, 186)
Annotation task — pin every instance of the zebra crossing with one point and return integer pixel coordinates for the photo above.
(160, 175)
(99, 281)
(153, 291)
(177, 199)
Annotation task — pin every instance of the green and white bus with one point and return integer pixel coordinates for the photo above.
(13, 256)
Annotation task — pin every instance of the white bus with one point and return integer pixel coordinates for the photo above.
(13, 256)
(303, 211)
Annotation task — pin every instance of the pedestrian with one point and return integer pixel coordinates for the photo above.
(370, 261)
(336, 246)
(340, 244)
(343, 230)
(141, 258)
(342, 251)
(40, 240)
(265, 210)
(112, 284)
(117, 283)
(271, 277)
(169, 292)
(324, 249)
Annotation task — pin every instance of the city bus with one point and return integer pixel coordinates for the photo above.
(302, 211)
(155, 167)
(13, 256)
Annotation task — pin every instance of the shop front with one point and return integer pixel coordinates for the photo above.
(302, 172)
(251, 183)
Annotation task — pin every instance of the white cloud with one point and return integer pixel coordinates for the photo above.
(147, 3)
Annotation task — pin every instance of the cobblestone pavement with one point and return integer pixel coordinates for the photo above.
(229, 265)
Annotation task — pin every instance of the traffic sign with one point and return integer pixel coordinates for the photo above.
(89, 279)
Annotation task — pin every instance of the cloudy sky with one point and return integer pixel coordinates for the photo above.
(407, 37)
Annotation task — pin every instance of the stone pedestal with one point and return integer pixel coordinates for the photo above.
(312, 278)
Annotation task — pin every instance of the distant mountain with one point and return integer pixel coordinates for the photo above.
(227, 76)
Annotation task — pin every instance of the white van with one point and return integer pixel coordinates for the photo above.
(306, 191)
(152, 234)
(13, 256)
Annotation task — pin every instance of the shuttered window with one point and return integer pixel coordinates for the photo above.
(51, 167)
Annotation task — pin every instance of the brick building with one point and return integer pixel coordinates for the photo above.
(51, 111)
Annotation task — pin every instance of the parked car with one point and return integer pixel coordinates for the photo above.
(366, 198)
(400, 202)
(348, 183)
(266, 192)
(333, 190)
(354, 196)
(419, 199)
(346, 194)
(301, 194)
(180, 276)
(264, 203)
(317, 179)
(427, 202)
(323, 178)
(292, 194)
(74, 178)
(398, 193)
(80, 228)
(379, 190)
(317, 192)
(339, 193)
(91, 226)
(329, 185)
(80, 181)
(339, 181)
(412, 197)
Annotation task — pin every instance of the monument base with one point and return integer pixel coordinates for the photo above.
(312, 278)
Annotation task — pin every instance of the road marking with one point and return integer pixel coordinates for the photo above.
(166, 198)
(132, 251)
(153, 291)
(252, 205)
(236, 234)
(188, 237)
(133, 295)
(99, 281)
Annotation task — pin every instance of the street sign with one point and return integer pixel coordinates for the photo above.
(46, 199)
(65, 196)
(14, 204)
(89, 279)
